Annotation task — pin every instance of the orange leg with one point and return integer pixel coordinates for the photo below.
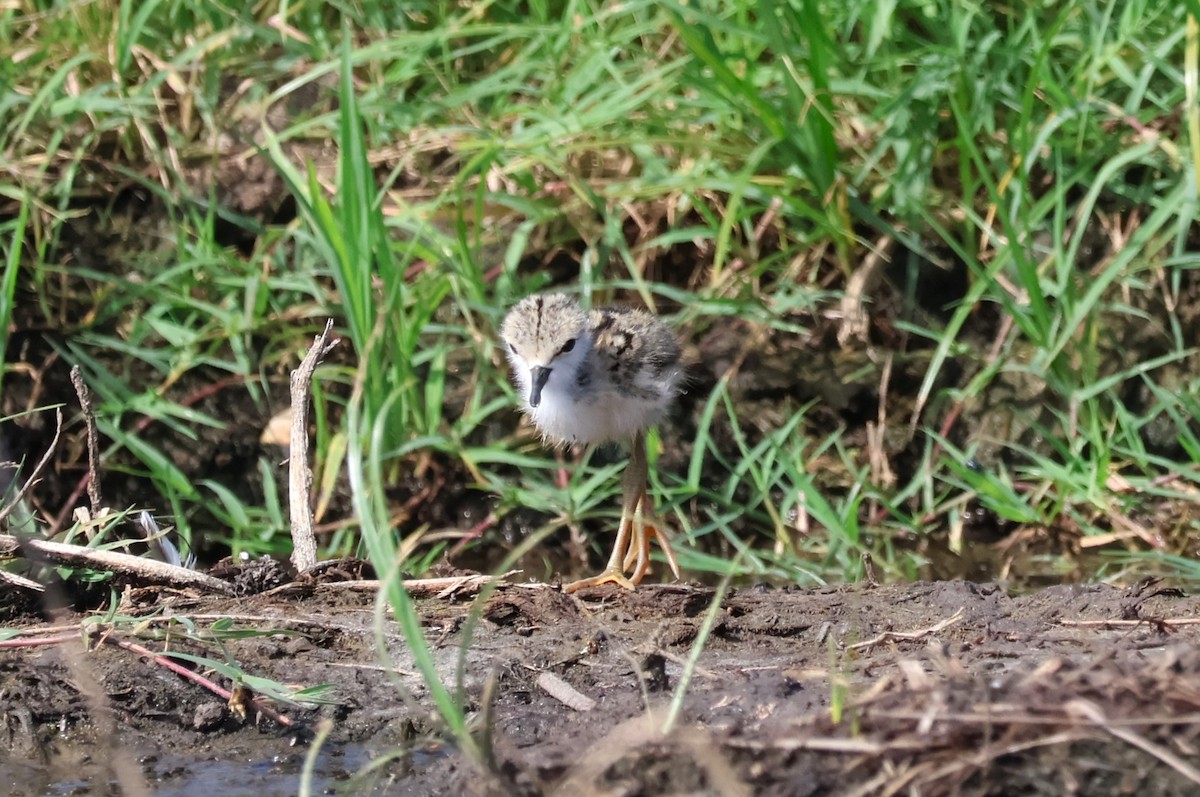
(637, 528)
(647, 527)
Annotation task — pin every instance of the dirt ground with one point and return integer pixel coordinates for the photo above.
(927, 688)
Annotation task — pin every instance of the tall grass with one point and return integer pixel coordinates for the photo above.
(14, 234)
(1028, 181)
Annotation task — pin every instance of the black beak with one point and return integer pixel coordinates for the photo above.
(537, 380)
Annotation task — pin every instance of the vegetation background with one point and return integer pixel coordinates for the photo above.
(934, 262)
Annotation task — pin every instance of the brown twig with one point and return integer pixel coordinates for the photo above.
(62, 553)
(855, 321)
(909, 636)
(996, 714)
(143, 423)
(473, 533)
(93, 440)
(12, 579)
(39, 642)
(1129, 623)
(304, 544)
(440, 588)
(868, 563)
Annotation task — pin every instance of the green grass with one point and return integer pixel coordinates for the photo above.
(469, 147)
(1029, 180)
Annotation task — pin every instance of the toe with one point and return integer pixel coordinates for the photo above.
(609, 576)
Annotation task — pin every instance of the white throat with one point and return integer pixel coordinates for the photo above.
(592, 412)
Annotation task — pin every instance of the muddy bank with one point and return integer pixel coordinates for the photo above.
(944, 688)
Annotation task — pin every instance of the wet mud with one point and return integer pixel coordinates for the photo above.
(931, 688)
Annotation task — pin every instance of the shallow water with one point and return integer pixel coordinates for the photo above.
(169, 775)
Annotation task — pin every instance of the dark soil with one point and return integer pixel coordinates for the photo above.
(940, 688)
(926, 688)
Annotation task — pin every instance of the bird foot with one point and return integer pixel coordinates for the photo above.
(637, 557)
(611, 575)
(632, 552)
(646, 527)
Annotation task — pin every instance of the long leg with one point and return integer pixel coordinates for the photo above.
(653, 528)
(633, 486)
(646, 526)
(637, 555)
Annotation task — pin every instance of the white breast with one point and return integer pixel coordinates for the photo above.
(606, 414)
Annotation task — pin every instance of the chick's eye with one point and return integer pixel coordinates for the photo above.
(512, 348)
(570, 344)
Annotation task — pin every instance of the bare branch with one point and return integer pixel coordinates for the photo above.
(304, 544)
(93, 440)
(61, 553)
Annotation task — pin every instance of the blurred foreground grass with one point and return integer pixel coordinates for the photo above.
(935, 262)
